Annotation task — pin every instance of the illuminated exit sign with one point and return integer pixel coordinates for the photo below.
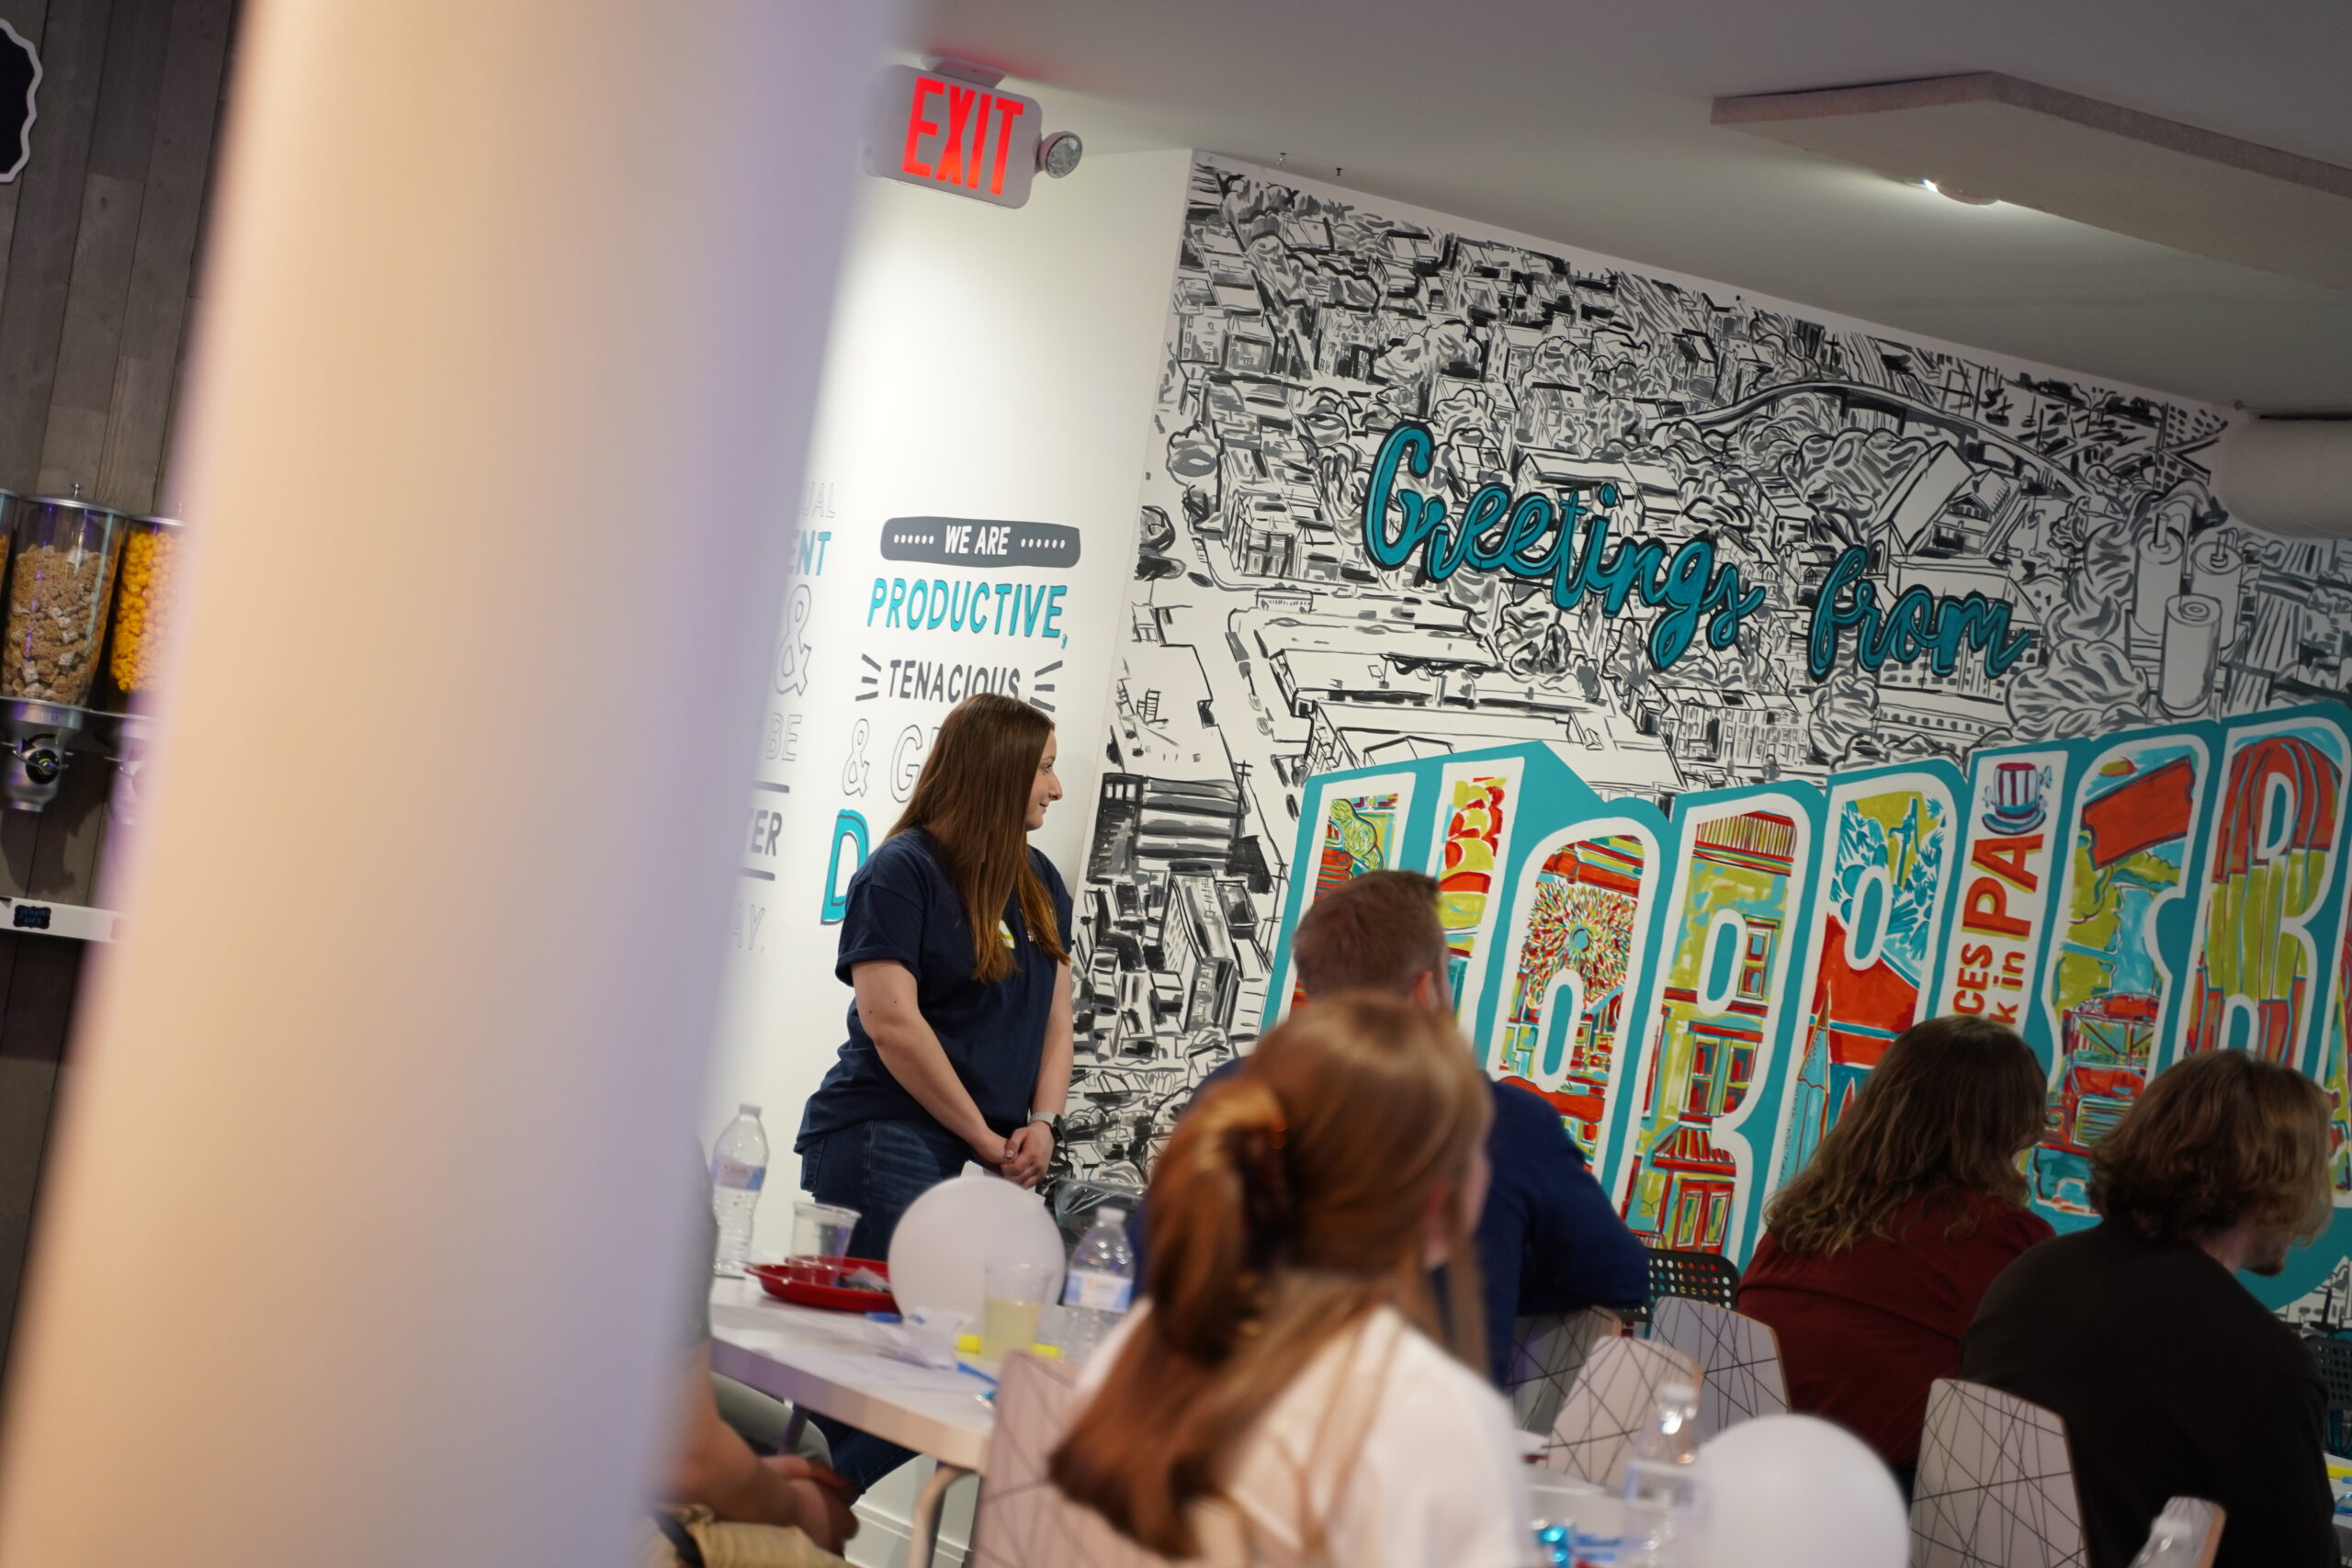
(953, 130)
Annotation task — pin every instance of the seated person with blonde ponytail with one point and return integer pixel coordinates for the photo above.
(1286, 1394)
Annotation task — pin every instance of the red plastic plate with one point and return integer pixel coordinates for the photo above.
(815, 1281)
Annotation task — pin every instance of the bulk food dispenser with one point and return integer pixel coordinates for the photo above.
(62, 561)
(146, 607)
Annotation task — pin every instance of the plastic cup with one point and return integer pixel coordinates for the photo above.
(821, 1230)
(1016, 1292)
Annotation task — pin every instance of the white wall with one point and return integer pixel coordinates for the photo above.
(368, 1196)
(984, 363)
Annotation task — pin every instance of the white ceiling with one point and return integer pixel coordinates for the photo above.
(1588, 123)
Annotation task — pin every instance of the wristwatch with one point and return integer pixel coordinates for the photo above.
(1052, 1121)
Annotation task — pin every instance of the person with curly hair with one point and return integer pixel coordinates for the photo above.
(2172, 1379)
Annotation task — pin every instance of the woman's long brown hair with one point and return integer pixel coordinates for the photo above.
(973, 799)
(1945, 1113)
(1288, 1206)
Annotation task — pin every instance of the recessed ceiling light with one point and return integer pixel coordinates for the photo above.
(2039, 149)
(1953, 193)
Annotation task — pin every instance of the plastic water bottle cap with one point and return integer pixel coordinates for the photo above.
(748, 1109)
(1109, 1212)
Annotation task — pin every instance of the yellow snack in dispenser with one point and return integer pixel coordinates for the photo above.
(143, 606)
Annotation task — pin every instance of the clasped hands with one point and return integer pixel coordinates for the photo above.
(1023, 1157)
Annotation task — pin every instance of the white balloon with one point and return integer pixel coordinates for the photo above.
(1798, 1491)
(940, 1253)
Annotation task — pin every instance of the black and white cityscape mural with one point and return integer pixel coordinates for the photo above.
(1268, 643)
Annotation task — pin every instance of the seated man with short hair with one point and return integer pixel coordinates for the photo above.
(2173, 1381)
(1548, 1239)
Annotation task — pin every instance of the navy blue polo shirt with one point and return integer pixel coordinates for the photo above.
(903, 907)
(1548, 1241)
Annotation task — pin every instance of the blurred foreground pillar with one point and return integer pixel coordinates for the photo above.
(363, 1244)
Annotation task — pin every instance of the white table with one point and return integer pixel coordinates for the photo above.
(830, 1363)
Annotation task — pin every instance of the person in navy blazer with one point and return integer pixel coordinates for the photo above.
(1548, 1240)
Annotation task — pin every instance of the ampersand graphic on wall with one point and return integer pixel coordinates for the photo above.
(856, 767)
(792, 655)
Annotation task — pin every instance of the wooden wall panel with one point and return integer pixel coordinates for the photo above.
(27, 16)
(48, 221)
(99, 244)
(162, 269)
(114, 185)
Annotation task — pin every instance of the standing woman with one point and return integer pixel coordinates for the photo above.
(1881, 1248)
(956, 942)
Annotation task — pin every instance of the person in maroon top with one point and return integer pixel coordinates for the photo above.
(1878, 1252)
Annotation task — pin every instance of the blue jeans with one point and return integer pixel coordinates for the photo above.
(878, 1169)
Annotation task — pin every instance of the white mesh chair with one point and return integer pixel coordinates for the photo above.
(1547, 1353)
(1613, 1396)
(1995, 1487)
(1739, 1357)
(1022, 1522)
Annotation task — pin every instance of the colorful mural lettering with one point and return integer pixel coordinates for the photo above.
(1576, 945)
(2007, 865)
(1358, 837)
(2335, 1073)
(1877, 916)
(1360, 834)
(2270, 862)
(2109, 980)
(1700, 993)
(1718, 1013)
(1481, 808)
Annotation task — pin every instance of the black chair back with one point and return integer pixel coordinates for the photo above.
(1701, 1276)
(2335, 1358)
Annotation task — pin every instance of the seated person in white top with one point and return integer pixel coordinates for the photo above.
(1287, 1394)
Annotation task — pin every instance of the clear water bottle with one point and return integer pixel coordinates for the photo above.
(2181, 1536)
(739, 1167)
(1099, 1287)
(1662, 1497)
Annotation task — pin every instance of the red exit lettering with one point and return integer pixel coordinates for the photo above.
(918, 128)
(963, 159)
(952, 133)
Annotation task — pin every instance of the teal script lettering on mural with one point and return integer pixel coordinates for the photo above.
(1918, 625)
(1532, 538)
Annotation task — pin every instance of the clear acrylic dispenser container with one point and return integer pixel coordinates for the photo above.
(61, 559)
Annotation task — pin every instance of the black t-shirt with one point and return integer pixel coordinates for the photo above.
(2174, 1381)
(903, 907)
